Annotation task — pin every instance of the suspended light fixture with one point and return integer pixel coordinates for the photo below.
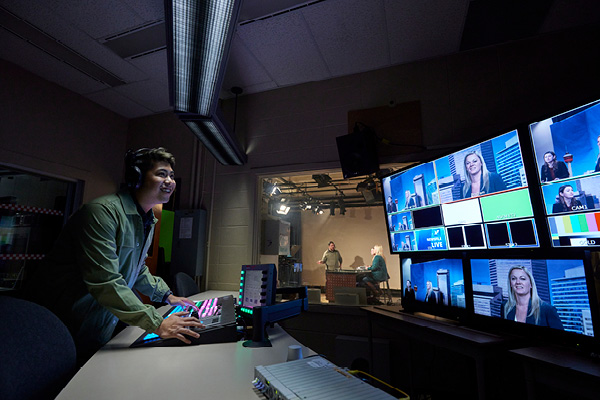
(199, 35)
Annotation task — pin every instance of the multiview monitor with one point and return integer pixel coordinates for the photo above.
(567, 153)
(436, 286)
(475, 198)
(551, 293)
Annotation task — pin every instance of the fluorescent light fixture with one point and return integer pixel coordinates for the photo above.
(199, 35)
(213, 134)
(200, 38)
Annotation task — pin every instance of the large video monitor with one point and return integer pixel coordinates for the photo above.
(436, 286)
(475, 198)
(551, 293)
(567, 153)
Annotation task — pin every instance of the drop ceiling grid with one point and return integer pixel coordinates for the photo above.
(96, 18)
(419, 30)
(71, 36)
(244, 70)
(118, 103)
(344, 30)
(37, 62)
(153, 94)
(286, 49)
(153, 66)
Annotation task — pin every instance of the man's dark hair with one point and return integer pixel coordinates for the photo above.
(147, 157)
(330, 243)
(140, 161)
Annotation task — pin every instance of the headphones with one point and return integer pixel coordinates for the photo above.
(133, 174)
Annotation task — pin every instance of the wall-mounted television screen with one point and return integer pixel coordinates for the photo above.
(543, 292)
(567, 153)
(437, 283)
(475, 198)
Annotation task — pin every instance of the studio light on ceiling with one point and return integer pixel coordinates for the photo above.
(283, 209)
(199, 35)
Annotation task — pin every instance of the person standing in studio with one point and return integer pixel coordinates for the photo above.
(331, 258)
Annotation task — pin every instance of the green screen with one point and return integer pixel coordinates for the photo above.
(165, 239)
(509, 205)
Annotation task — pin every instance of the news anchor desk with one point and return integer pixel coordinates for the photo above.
(339, 278)
(208, 371)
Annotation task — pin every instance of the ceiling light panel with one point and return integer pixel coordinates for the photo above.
(201, 37)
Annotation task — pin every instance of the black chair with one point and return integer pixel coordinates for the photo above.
(37, 352)
(184, 285)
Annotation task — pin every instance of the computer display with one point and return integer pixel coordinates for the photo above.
(567, 153)
(437, 283)
(544, 292)
(475, 198)
(258, 286)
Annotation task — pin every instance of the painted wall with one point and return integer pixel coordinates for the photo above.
(354, 234)
(49, 129)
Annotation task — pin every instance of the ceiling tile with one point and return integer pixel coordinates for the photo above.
(424, 29)
(118, 103)
(286, 49)
(97, 18)
(19, 52)
(152, 94)
(243, 69)
(347, 31)
(149, 10)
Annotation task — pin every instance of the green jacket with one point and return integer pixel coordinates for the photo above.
(379, 269)
(90, 273)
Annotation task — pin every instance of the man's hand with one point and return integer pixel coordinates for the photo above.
(177, 326)
(320, 262)
(181, 301)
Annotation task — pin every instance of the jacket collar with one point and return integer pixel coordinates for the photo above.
(129, 204)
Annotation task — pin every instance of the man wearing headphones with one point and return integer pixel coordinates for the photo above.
(88, 278)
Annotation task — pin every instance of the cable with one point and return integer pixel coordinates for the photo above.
(356, 371)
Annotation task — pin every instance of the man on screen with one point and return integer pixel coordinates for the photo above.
(391, 206)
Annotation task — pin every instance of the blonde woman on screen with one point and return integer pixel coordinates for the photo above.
(478, 180)
(523, 303)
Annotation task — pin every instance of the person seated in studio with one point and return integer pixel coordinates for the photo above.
(89, 277)
(378, 271)
(524, 304)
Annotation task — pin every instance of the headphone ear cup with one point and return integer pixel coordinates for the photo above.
(133, 174)
(138, 177)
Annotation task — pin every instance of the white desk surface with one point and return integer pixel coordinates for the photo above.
(208, 371)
